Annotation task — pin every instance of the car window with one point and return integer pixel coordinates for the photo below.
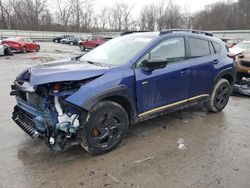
(94, 38)
(212, 51)
(171, 49)
(199, 47)
(119, 50)
(216, 47)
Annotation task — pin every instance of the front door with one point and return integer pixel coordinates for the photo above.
(160, 87)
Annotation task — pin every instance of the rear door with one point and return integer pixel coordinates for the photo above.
(27, 44)
(203, 63)
(168, 85)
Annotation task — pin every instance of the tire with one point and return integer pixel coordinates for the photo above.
(63, 42)
(24, 50)
(82, 47)
(56, 41)
(71, 43)
(38, 49)
(220, 96)
(8, 52)
(104, 128)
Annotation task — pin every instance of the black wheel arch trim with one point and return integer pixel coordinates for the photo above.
(119, 91)
(225, 72)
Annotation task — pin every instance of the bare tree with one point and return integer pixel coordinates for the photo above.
(64, 13)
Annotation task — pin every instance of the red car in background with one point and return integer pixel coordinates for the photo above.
(93, 42)
(21, 44)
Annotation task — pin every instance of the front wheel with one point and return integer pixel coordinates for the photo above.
(82, 47)
(219, 96)
(105, 127)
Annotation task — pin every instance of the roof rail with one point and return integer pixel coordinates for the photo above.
(130, 32)
(186, 30)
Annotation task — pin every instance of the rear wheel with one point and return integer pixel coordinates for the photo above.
(105, 127)
(82, 47)
(24, 50)
(219, 96)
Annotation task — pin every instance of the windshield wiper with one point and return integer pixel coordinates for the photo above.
(94, 63)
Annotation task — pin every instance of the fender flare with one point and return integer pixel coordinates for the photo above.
(118, 91)
(228, 71)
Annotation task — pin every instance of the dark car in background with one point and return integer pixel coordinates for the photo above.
(58, 39)
(65, 40)
(21, 44)
(93, 42)
(75, 40)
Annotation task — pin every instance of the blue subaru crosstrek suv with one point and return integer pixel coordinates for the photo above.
(92, 99)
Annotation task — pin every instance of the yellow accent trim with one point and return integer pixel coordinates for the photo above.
(171, 105)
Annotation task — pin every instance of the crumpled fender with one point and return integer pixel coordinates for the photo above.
(116, 84)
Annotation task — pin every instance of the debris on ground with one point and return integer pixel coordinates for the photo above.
(145, 159)
(180, 142)
(113, 178)
(242, 88)
(181, 119)
(201, 114)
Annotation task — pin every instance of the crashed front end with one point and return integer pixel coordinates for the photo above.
(42, 112)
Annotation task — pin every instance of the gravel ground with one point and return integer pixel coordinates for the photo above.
(191, 148)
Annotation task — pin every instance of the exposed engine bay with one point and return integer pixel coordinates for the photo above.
(41, 111)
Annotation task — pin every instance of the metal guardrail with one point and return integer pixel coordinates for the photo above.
(49, 35)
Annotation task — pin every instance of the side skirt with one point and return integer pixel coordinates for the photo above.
(171, 108)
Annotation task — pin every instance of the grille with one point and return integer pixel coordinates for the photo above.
(34, 100)
(245, 63)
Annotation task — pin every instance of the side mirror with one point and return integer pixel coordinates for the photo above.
(155, 63)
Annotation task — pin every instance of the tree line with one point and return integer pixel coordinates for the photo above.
(82, 16)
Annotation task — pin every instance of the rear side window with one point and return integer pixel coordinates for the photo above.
(212, 51)
(216, 47)
(199, 48)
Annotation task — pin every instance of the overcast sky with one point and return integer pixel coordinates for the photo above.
(192, 5)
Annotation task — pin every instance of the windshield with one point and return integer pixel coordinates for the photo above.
(243, 45)
(119, 50)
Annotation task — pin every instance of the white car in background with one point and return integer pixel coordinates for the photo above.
(5, 50)
(240, 47)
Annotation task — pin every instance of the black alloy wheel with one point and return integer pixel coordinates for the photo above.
(222, 95)
(219, 96)
(105, 128)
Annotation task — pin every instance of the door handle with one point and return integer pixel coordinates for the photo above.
(185, 71)
(215, 62)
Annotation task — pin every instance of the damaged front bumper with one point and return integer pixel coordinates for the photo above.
(44, 117)
(25, 123)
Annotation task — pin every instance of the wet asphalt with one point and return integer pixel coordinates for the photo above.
(190, 148)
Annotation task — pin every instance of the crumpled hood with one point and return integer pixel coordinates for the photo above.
(64, 70)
